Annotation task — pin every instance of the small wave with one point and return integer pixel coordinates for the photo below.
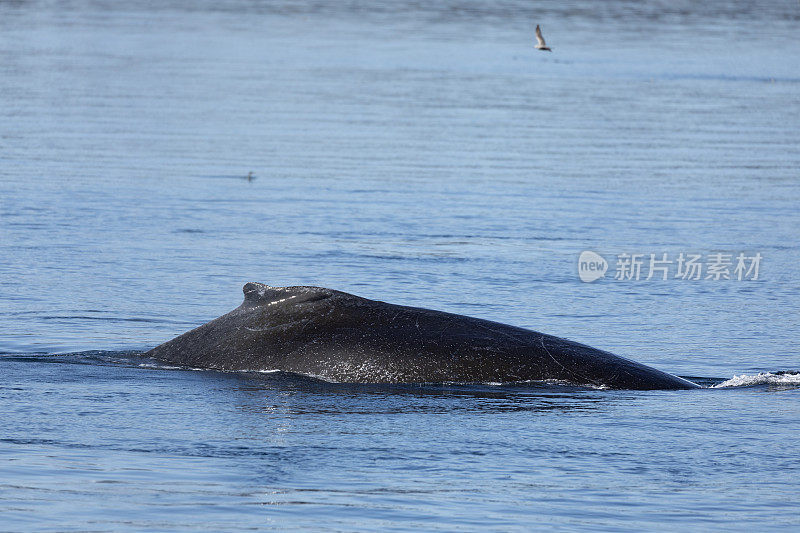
(790, 379)
(546, 383)
(112, 319)
(159, 366)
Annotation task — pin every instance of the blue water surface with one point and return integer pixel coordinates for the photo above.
(421, 154)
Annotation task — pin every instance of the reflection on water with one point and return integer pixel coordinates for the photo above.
(96, 438)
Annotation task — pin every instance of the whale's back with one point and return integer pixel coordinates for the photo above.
(342, 337)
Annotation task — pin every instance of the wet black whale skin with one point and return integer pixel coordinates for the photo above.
(340, 337)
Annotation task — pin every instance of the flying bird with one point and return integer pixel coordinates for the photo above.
(540, 44)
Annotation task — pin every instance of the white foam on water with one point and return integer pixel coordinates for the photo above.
(762, 378)
(159, 367)
(540, 382)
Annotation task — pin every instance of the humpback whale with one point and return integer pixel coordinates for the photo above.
(341, 337)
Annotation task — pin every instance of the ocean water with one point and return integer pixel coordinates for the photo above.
(420, 154)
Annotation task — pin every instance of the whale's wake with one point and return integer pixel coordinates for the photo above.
(787, 380)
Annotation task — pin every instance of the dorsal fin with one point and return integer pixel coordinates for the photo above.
(259, 293)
